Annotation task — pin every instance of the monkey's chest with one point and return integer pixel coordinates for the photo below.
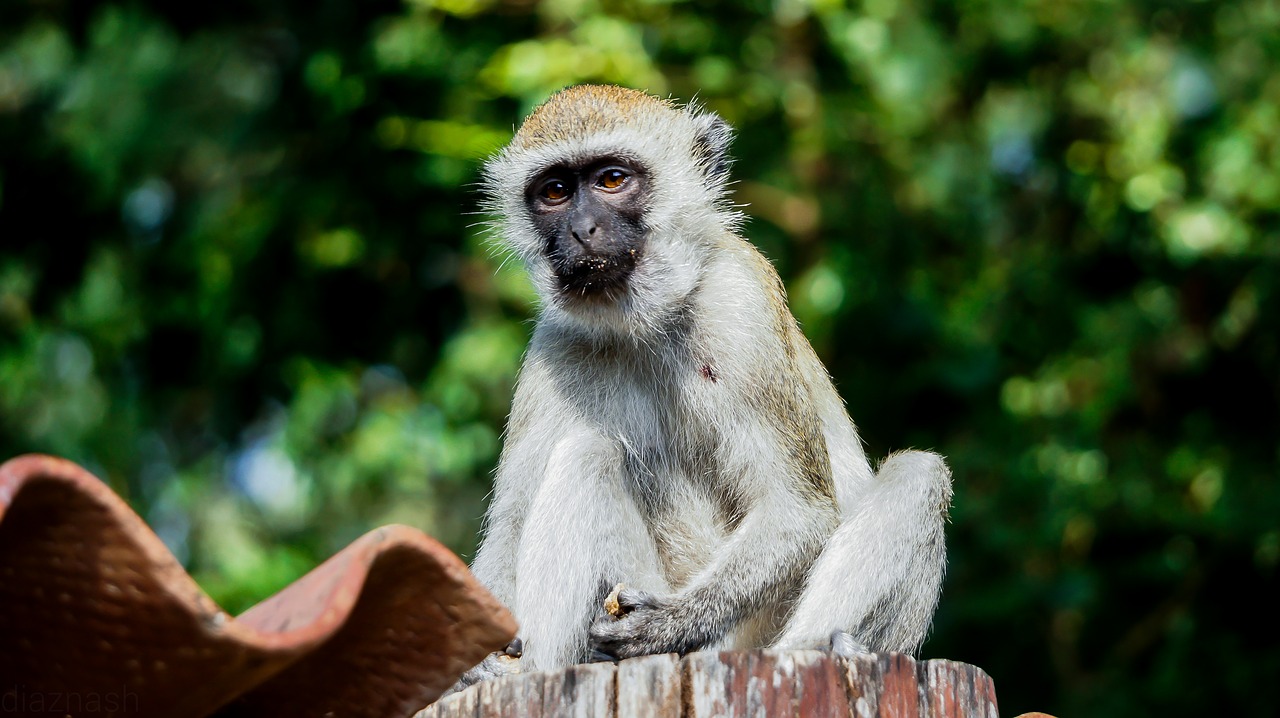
(673, 473)
(687, 514)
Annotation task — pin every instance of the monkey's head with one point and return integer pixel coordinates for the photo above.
(609, 195)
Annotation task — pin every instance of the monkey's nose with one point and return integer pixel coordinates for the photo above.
(584, 232)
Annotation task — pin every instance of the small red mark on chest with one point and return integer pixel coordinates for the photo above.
(708, 372)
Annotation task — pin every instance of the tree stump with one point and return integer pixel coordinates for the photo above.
(735, 684)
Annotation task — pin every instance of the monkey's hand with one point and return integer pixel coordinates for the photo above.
(642, 624)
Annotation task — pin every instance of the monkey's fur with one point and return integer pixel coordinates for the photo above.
(672, 429)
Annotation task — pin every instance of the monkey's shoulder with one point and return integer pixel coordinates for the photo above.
(743, 306)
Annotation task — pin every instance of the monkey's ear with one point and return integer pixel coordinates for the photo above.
(711, 144)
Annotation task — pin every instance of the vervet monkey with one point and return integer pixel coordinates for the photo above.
(672, 429)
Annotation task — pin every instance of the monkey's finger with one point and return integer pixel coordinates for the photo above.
(515, 648)
(629, 599)
(617, 648)
(606, 634)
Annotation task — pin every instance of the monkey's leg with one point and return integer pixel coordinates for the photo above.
(583, 535)
(881, 572)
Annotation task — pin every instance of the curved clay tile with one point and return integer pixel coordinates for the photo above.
(98, 618)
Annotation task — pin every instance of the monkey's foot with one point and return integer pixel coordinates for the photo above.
(503, 663)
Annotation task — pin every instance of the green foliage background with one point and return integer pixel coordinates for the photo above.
(238, 280)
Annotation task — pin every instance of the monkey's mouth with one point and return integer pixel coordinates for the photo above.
(593, 275)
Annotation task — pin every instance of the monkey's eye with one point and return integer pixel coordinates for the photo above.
(612, 179)
(554, 191)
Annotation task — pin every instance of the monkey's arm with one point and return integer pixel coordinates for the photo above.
(520, 473)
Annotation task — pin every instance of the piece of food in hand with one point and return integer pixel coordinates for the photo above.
(611, 604)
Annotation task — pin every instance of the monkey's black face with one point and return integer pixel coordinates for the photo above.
(590, 218)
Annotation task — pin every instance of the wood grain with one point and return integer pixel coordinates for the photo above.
(737, 684)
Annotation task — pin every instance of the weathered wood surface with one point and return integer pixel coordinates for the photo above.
(736, 684)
